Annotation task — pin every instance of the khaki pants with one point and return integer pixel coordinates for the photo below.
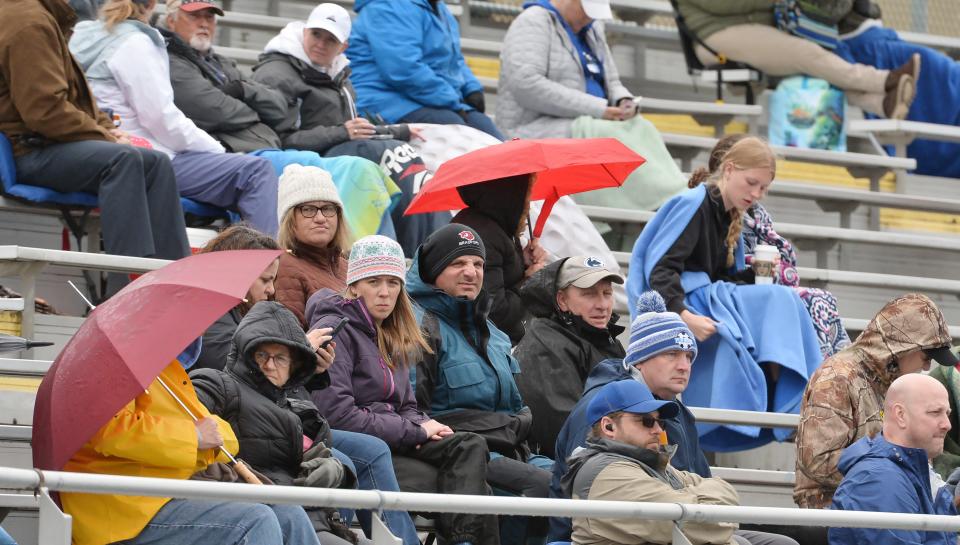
(780, 54)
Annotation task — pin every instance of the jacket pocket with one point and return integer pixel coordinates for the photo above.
(463, 375)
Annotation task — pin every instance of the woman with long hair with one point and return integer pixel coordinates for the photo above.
(315, 235)
(758, 346)
(370, 389)
(758, 229)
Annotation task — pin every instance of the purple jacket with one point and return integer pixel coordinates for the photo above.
(364, 395)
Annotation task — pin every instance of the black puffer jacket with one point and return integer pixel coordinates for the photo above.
(495, 211)
(557, 353)
(269, 422)
(318, 105)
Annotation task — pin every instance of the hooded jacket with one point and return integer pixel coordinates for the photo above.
(614, 471)
(496, 210)
(241, 124)
(471, 367)
(556, 355)
(43, 91)
(365, 394)
(270, 421)
(406, 56)
(319, 102)
(881, 476)
(844, 399)
(542, 82)
(681, 436)
(151, 436)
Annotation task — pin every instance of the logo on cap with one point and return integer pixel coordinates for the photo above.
(684, 342)
(594, 262)
(466, 235)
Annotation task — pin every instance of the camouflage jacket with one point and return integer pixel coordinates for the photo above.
(843, 401)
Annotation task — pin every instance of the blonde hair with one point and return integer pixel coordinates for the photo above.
(399, 338)
(115, 12)
(742, 152)
(341, 242)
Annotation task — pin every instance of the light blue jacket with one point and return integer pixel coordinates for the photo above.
(405, 57)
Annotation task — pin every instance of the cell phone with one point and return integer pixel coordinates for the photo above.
(336, 329)
(382, 137)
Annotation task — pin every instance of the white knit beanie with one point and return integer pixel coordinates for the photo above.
(375, 255)
(300, 184)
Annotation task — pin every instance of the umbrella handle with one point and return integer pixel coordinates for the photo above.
(244, 472)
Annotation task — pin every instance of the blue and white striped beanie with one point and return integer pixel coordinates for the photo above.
(655, 330)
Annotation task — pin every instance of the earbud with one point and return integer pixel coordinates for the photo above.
(609, 427)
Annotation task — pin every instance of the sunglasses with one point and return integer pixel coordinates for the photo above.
(649, 421)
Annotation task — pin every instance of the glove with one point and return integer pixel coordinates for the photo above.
(234, 89)
(320, 473)
(475, 99)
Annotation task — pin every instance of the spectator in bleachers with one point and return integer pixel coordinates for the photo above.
(558, 79)
(153, 436)
(745, 31)
(891, 471)
(499, 211)
(843, 402)
(366, 456)
(262, 394)
(758, 345)
(574, 328)
(625, 460)
(370, 389)
(315, 235)
(408, 67)
(305, 62)
(947, 462)
(466, 380)
(758, 229)
(863, 39)
(86, 10)
(126, 62)
(61, 140)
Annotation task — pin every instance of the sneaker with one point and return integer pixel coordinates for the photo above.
(911, 67)
(897, 101)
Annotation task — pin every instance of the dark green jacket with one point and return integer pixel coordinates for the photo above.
(706, 17)
(950, 459)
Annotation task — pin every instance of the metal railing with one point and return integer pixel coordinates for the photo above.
(41, 481)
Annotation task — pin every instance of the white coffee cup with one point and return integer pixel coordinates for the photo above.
(764, 257)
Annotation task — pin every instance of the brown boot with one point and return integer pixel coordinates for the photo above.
(911, 67)
(897, 101)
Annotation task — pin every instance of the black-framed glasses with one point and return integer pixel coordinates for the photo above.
(279, 360)
(310, 211)
(649, 421)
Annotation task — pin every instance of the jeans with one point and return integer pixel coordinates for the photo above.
(370, 459)
(197, 522)
(5, 538)
(473, 119)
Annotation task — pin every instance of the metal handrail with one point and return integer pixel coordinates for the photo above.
(23, 479)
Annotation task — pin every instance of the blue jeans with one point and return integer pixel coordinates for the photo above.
(474, 119)
(5, 538)
(369, 458)
(198, 522)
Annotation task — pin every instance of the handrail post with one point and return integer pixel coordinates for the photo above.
(55, 525)
(678, 536)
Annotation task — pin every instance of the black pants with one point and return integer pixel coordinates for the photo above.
(140, 212)
(804, 535)
(521, 479)
(456, 464)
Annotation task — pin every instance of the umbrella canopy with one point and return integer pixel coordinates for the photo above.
(125, 343)
(563, 166)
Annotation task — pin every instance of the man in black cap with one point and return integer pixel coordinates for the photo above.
(467, 382)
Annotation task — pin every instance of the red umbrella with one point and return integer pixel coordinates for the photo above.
(125, 343)
(563, 166)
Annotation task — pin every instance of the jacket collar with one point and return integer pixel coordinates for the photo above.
(62, 13)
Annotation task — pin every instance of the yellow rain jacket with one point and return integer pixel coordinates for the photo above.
(151, 436)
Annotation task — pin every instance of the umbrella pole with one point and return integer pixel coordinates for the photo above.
(239, 466)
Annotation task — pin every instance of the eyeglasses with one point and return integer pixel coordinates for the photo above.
(309, 210)
(649, 421)
(278, 359)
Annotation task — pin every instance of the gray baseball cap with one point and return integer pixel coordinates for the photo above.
(584, 272)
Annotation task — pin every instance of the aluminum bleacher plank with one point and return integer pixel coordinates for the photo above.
(12, 432)
(106, 262)
(27, 368)
(804, 190)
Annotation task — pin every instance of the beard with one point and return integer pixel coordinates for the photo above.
(201, 43)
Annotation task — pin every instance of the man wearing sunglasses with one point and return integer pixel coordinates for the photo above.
(627, 459)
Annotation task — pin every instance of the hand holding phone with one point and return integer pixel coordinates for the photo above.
(336, 329)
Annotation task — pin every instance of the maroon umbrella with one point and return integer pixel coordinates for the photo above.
(125, 343)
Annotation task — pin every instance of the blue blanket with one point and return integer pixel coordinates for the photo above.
(756, 324)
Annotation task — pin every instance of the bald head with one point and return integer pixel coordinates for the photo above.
(916, 413)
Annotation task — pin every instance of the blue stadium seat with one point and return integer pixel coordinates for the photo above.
(35, 194)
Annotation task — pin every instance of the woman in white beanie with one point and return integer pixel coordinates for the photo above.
(315, 234)
(370, 389)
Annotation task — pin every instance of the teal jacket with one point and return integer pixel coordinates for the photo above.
(471, 367)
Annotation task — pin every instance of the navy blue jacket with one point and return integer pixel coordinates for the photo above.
(681, 431)
(881, 476)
